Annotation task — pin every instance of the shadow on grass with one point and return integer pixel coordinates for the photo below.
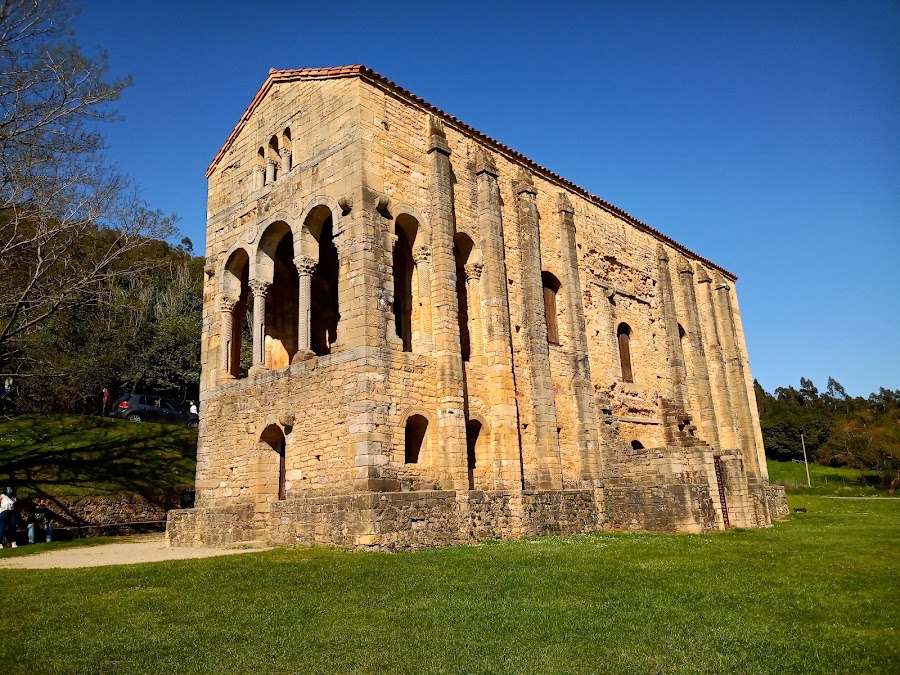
(56, 456)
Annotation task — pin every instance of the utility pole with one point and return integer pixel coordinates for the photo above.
(803, 442)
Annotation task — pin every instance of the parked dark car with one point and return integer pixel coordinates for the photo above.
(150, 408)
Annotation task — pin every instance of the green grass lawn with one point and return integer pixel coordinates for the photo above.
(817, 593)
(76, 455)
(826, 480)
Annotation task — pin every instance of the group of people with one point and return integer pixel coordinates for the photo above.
(40, 519)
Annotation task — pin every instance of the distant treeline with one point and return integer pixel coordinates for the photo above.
(839, 430)
(139, 332)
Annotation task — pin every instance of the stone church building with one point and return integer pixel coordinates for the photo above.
(415, 336)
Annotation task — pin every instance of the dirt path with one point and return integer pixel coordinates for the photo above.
(137, 549)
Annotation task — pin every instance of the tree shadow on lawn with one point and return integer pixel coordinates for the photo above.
(53, 456)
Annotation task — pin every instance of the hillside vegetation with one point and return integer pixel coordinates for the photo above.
(839, 430)
(77, 455)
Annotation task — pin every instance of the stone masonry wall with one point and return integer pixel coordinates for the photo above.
(315, 445)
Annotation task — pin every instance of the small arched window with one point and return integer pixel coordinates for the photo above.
(551, 288)
(637, 445)
(416, 426)
(623, 333)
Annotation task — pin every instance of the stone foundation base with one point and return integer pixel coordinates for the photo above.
(425, 519)
(777, 501)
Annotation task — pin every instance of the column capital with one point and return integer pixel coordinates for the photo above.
(564, 204)
(473, 271)
(259, 287)
(422, 254)
(437, 137)
(523, 184)
(226, 303)
(259, 168)
(271, 160)
(484, 163)
(284, 152)
(305, 264)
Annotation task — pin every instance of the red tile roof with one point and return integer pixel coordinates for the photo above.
(370, 76)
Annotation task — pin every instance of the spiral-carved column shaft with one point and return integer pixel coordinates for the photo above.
(259, 288)
(305, 268)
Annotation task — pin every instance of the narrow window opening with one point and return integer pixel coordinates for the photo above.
(473, 430)
(416, 426)
(324, 315)
(551, 288)
(637, 445)
(462, 247)
(624, 337)
(403, 269)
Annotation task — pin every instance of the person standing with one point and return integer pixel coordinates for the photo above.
(8, 516)
(41, 518)
(107, 401)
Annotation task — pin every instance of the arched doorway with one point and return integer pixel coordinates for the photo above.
(236, 297)
(323, 301)
(276, 260)
(273, 447)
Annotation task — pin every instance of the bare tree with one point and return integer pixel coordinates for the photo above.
(70, 224)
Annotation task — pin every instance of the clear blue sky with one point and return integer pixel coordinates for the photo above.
(762, 135)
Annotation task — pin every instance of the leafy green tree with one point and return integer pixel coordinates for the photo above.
(70, 225)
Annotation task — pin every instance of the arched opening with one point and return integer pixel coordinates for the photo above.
(273, 148)
(405, 229)
(462, 249)
(637, 445)
(323, 301)
(551, 288)
(237, 276)
(272, 438)
(473, 430)
(282, 297)
(287, 159)
(623, 334)
(416, 426)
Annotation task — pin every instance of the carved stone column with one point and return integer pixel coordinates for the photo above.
(422, 257)
(270, 171)
(700, 382)
(451, 421)
(259, 289)
(473, 290)
(586, 435)
(259, 177)
(285, 160)
(305, 267)
(717, 377)
(226, 307)
(734, 372)
(540, 442)
(504, 429)
(674, 351)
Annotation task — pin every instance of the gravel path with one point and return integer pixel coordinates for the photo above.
(136, 549)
